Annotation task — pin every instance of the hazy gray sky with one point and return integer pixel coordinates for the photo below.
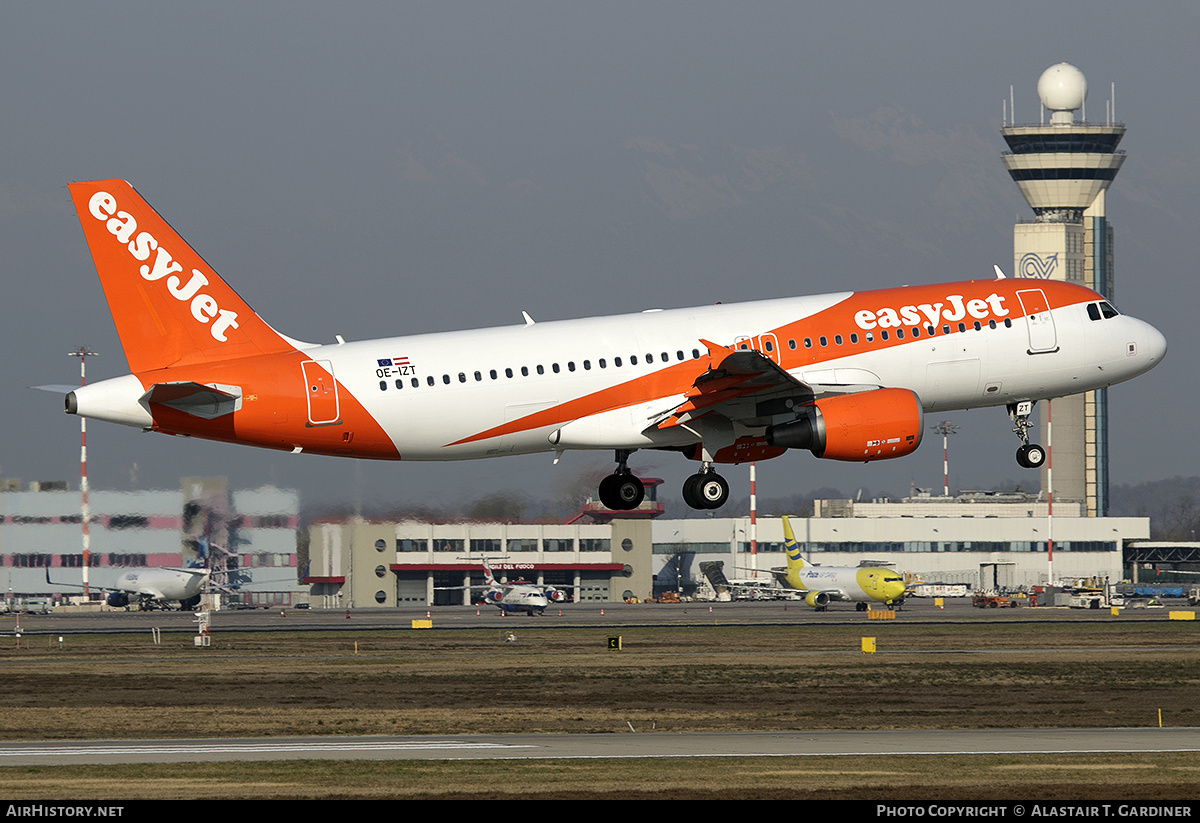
(374, 169)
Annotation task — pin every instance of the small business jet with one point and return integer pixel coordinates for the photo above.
(861, 585)
(531, 598)
(847, 376)
(154, 588)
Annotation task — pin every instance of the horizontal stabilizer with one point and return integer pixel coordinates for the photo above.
(195, 399)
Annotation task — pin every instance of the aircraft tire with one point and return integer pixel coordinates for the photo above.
(1035, 455)
(712, 490)
(608, 492)
(690, 495)
(1031, 456)
(630, 491)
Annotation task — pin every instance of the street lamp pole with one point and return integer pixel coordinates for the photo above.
(945, 429)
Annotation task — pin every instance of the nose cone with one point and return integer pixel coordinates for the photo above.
(1154, 346)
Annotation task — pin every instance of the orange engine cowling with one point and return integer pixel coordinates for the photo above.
(871, 425)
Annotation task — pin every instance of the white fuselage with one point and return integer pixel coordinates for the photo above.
(555, 363)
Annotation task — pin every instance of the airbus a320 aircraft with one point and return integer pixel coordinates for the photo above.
(152, 588)
(846, 376)
(860, 585)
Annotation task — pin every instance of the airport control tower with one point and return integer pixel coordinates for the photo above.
(1064, 169)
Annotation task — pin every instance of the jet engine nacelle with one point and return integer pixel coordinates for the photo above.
(818, 600)
(493, 596)
(871, 425)
(117, 599)
(556, 595)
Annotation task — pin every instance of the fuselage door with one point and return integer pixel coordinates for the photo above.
(1042, 336)
(321, 391)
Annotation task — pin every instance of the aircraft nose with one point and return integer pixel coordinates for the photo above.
(1154, 345)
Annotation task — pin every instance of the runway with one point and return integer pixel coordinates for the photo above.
(572, 615)
(907, 743)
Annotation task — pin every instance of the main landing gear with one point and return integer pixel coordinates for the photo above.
(1030, 455)
(622, 490)
(705, 490)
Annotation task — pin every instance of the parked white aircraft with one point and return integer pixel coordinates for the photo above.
(531, 598)
(861, 585)
(152, 588)
(846, 376)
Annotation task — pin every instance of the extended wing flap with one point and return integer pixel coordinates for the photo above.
(733, 377)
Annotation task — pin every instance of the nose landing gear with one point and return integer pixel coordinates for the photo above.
(1030, 455)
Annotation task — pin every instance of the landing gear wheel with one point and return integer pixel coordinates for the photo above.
(1031, 456)
(622, 492)
(705, 490)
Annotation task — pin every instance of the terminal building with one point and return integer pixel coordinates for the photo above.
(979, 539)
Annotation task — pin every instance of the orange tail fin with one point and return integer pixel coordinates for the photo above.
(169, 306)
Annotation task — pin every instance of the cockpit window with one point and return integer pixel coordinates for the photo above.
(1107, 310)
(1103, 309)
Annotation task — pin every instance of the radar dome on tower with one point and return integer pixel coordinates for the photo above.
(1062, 89)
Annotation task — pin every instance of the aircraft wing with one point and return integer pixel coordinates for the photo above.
(80, 585)
(748, 387)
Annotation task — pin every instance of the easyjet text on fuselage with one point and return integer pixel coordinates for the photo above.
(955, 308)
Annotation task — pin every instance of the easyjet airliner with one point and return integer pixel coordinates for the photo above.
(846, 376)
